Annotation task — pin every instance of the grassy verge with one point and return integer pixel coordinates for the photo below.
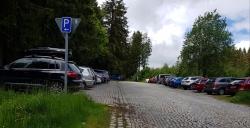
(43, 110)
(239, 98)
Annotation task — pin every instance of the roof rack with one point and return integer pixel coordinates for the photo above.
(38, 56)
(47, 51)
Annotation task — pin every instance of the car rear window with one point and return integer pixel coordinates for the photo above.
(85, 71)
(73, 67)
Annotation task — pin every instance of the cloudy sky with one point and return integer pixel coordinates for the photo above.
(167, 21)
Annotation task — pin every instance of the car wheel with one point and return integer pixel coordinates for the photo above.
(56, 86)
(184, 87)
(221, 92)
(82, 85)
(209, 93)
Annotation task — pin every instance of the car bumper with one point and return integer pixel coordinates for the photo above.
(75, 85)
(198, 87)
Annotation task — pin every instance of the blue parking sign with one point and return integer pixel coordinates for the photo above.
(66, 24)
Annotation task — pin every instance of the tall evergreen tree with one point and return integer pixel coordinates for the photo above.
(116, 23)
(146, 50)
(140, 50)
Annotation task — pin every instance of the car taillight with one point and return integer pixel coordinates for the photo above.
(73, 75)
(242, 87)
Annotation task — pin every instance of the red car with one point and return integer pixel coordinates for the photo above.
(200, 84)
(242, 84)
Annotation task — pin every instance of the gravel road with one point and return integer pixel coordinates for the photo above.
(141, 105)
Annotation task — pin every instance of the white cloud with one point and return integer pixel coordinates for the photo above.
(243, 44)
(166, 22)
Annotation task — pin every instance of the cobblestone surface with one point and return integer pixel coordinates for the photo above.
(140, 105)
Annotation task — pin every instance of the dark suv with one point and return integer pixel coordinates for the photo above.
(218, 85)
(41, 71)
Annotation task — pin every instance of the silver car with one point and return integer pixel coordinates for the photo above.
(187, 82)
(88, 76)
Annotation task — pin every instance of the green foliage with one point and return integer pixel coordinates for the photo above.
(242, 98)
(151, 72)
(31, 24)
(50, 110)
(116, 25)
(100, 40)
(206, 47)
(139, 51)
(238, 64)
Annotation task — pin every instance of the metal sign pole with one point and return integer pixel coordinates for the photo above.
(66, 62)
(67, 25)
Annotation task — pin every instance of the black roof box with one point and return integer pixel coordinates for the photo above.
(47, 51)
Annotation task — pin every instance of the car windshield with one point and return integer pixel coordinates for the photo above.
(194, 78)
(21, 63)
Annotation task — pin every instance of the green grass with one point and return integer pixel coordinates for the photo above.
(239, 98)
(43, 110)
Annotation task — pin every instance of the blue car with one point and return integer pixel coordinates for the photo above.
(176, 82)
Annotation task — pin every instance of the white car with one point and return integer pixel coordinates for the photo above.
(88, 76)
(98, 79)
(187, 82)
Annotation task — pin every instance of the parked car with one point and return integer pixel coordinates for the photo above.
(152, 80)
(104, 74)
(187, 82)
(98, 79)
(176, 82)
(88, 76)
(242, 84)
(167, 80)
(116, 77)
(218, 85)
(42, 71)
(161, 78)
(200, 84)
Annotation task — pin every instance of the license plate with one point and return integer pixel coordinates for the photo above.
(232, 87)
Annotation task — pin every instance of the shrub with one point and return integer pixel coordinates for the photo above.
(242, 97)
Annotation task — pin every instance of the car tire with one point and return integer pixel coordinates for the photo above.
(221, 91)
(56, 86)
(209, 93)
(184, 87)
